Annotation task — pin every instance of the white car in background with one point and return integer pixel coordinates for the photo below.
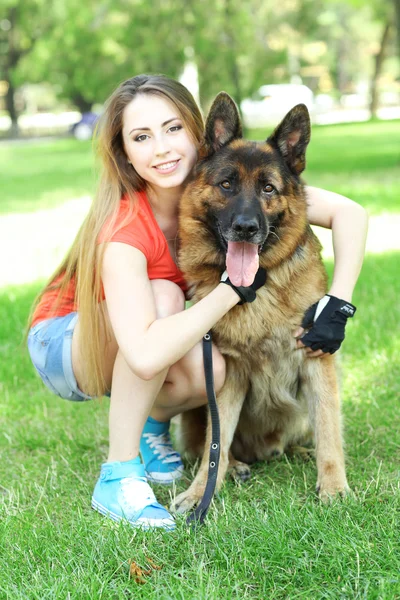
(270, 103)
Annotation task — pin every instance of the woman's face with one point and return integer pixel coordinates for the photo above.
(156, 141)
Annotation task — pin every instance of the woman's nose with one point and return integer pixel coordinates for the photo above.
(162, 146)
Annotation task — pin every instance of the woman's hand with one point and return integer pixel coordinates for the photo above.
(247, 294)
(324, 323)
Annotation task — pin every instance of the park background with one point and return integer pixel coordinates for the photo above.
(269, 538)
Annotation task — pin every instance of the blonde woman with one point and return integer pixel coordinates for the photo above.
(112, 319)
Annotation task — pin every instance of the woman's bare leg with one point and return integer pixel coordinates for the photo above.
(173, 391)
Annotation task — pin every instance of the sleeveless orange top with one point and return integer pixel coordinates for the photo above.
(142, 232)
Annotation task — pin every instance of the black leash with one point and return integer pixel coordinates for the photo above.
(199, 514)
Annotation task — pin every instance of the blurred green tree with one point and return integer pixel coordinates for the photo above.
(24, 23)
(383, 15)
(94, 45)
(85, 49)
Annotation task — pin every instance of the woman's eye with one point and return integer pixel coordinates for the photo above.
(268, 189)
(141, 138)
(225, 184)
(175, 128)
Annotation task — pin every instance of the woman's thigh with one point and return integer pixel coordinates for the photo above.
(49, 344)
(169, 300)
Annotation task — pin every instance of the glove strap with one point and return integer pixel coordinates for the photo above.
(337, 305)
(346, 308)
(225, 279)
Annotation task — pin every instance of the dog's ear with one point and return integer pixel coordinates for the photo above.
(222, 125)
(292, 136)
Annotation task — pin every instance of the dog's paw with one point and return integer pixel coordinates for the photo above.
(331, 481)
(271, 452)
(275, 453)
(301, 452)
(329, 490)
(239, 471)
(187, 500)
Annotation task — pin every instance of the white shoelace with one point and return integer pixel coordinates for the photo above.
(161, 445)
(136, 493)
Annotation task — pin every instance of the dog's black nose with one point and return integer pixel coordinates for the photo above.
(246, 226)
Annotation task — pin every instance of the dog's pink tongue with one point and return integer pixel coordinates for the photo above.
(242, 263)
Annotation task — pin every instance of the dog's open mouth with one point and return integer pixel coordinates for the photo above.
(242, 262)
(241, 259)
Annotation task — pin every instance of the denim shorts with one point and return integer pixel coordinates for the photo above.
(50, 348)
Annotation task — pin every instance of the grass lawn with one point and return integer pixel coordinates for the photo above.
(359, 160)
(269, 538)
(42, 174)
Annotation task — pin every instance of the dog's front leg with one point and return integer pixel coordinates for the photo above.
(230, 401)
(321, 387)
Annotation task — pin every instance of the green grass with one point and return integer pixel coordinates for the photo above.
(269, 538)
(42, 174)
(359, 160)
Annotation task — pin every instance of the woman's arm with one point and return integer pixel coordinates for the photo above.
(349, 224)
(150, 345)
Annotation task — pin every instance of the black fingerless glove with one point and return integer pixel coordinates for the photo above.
(326, 321)
(247, 294)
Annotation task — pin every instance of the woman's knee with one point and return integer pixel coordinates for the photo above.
(197, 375)
(168, 296)
(219, 369)
(188, 374)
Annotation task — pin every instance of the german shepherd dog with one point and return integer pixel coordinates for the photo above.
(245, 208)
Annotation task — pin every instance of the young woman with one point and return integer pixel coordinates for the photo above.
(112, 318)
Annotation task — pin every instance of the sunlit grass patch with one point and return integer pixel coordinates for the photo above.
(39, 175)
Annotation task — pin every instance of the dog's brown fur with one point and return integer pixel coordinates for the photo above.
(272, 394)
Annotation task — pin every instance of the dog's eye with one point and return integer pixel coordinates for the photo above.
(268, 189)
(225, 184)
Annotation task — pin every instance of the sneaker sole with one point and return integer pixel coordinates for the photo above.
(145, 525)
(163, 478)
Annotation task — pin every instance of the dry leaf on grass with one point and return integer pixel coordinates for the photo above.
(153, 565)
(138, 573)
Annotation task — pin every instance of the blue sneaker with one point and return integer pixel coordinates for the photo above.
(162, 463)
(122, 492)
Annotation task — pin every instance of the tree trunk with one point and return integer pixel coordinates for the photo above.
(341, 72)
(380, 57)
(12, 58)
(10, 106)
(232, 54)
(397, 20)
(82, 104)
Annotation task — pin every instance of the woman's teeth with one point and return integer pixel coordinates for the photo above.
(166, 166)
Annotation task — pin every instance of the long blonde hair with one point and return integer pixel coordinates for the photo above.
(118, 178)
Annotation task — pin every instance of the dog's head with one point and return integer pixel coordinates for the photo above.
(247, 193)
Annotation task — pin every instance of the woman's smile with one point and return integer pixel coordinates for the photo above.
(167, 167)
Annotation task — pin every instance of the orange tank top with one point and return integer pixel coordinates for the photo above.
(142, 232)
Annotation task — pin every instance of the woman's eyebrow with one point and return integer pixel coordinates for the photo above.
(148, 128)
